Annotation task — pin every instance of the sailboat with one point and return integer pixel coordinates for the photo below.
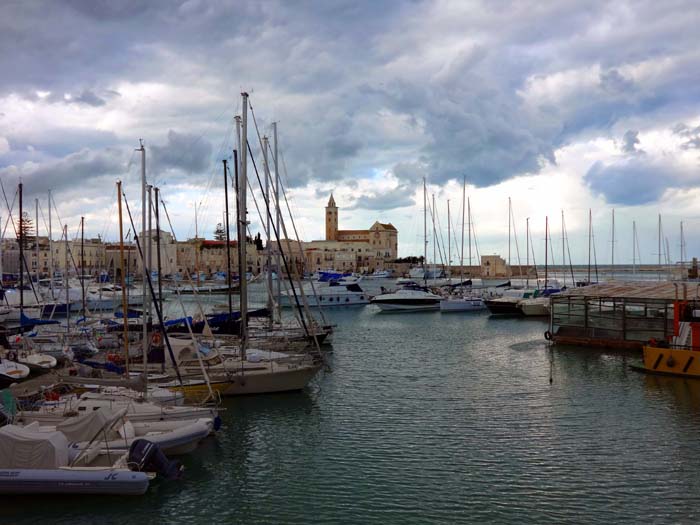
(463, 302)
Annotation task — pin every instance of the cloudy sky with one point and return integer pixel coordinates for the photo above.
(558, 105)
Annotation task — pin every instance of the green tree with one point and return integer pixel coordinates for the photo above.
(220, 233)
(28, 233)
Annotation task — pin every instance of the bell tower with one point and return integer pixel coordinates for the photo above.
(331, 220)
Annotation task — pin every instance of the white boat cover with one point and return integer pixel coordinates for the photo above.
(27, 449)
(87, 427)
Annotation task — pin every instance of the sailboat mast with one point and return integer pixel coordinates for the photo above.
(509, 217)
(469, 218)
(659, 235)
(546, 254)
(268, 214)
(590, 232)
(425, 232)
(36, 240)
(242, 224)
(634, 248)
(82, 260)
(434, 237)
(158, 260)
(563, 250)
(144, 317)
(682, 248)
(461, 254)
(278, 220)
(228, 243)
(50, 251)
(65, 277)
(612, 248)
(21, 256)
(125, 303)
(527, 252)
(449, 244)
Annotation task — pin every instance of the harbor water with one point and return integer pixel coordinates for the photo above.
(434, 418)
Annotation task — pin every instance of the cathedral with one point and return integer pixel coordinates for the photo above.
(355, 250)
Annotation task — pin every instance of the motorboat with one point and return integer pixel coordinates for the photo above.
(535, 307)
(408, 299)
(507, 304)
(381, 274)
(335, 294)
(41, 461)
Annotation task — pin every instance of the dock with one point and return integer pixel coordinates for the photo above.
(618, 315)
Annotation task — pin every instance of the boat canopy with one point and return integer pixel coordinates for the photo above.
(23, 448)
(85, 428)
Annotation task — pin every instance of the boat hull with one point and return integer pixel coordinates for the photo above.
(120, 482)
(503, 307)
(672, 361)
(406, 306)
(268, 383)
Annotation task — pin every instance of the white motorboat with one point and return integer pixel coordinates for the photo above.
(331, 295)
(411, 299)
(381, 274)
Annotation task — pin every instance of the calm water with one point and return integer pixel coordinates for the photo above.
(430, 418)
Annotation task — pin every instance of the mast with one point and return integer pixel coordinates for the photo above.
(425, 233)
(612, 255)
(65, 278)
(546, 260)
(659, 274)
(634, 247)
(36, 240)
(149, 247)
(432, 215)
(144, 317)
(563, 251)
(469, 218)
(51, 268)
(590, 232)
(461, 254)
(242, 224)
(449, 243)
(527, 253)
(268, 255)
(158, 260)
(278, 218)
(509, 216)
(125, 303)
(82, 260)
(228, 244)
(21, 256)
(196, 237)
(1, 243)
(682, 250)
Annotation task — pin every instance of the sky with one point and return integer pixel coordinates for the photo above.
(560, 106)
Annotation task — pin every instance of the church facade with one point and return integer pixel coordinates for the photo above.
(352, 250)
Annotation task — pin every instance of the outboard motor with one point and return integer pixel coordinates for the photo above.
(145, 456)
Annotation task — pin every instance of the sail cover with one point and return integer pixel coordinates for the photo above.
(22, 448)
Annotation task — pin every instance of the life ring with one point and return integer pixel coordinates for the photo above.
(548, 335)
(12, 356)
(156, 339)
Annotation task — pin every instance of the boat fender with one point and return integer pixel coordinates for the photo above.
(217, 423)
(548, 335)
(156, 339)
(670, 362)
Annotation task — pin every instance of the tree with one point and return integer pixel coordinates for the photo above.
(27, 231)
(220, 233)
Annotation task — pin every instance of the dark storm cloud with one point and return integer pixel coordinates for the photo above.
(691, 136)
(413, 88)
(183, 152)
(630, 141)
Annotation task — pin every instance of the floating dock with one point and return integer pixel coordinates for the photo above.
(619, 315)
